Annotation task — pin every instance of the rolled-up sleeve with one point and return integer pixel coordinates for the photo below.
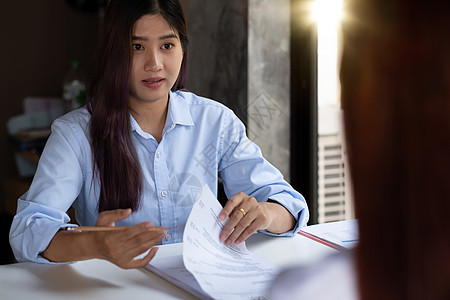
(244, 169)
(33, 228)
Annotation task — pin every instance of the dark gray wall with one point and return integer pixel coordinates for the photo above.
(218, 51)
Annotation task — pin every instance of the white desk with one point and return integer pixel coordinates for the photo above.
(98, 279)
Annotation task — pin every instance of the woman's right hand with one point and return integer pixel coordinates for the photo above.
(122, 246)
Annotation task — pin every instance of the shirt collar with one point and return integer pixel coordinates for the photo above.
(177, 114)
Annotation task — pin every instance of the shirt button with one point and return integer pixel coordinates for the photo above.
(158, 154)
(164, 193)
(168, 236)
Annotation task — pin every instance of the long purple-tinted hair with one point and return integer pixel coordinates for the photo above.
(116, 164)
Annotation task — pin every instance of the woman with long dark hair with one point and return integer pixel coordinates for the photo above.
(138, 154)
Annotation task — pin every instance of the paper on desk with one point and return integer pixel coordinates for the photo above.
(341, 233)
(209, 269)
(172, 269)
(224, 272)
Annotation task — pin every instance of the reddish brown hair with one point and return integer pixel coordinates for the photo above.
(395, 78)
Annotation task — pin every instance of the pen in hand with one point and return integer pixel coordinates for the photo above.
(106, 228)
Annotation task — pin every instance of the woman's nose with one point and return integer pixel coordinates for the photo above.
(152, 62)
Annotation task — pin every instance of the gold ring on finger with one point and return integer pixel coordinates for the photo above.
(243, 211)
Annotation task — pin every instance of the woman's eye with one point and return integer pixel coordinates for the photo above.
(167, 46)
(137, 47)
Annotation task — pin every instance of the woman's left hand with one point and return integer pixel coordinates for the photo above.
(246, 216)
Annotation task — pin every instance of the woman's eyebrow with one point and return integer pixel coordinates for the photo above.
(164, 37)
(138, 38)
(169, 36)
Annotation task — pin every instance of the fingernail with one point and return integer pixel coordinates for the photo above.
(237, 242)
(222, 217)
(148, 225)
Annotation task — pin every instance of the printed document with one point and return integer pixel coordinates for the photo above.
(213, 269)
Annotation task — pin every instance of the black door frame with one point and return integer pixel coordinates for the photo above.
(304, 118)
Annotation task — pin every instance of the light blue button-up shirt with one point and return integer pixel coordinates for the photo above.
(201, 139)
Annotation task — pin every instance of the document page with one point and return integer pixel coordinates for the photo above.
(224, 272)
(210, 270)
(341, 233)
(172, 269)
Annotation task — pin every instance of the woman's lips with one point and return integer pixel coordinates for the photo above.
(153, 83)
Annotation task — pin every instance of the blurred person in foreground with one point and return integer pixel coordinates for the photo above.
(395, 80)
